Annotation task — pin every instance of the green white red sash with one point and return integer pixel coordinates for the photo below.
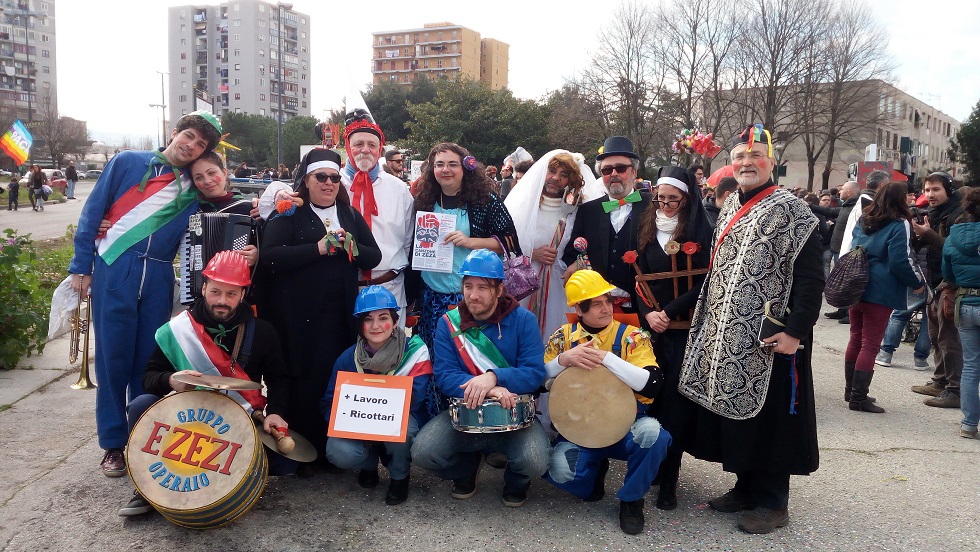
(477, 352)
(416, 361)
(188, 346)
(137, 214)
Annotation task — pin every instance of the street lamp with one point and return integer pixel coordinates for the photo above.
(280, 7)
(163, 112)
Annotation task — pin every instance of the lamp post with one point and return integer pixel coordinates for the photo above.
(280, 7)
(163, 111)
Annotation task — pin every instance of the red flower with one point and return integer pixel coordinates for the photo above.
(629, 257)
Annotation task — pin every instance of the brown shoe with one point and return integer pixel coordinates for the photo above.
(113, 463)
(932, 389)
(763, 520)
(946, 399)
(732, 501)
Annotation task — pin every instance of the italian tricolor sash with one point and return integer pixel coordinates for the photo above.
(478, 353)
(137, 214)
(188, 346)
(416, 360)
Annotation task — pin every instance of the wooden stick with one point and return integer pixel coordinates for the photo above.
(284, 442)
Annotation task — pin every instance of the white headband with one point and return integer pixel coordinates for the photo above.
(322, 165)
(679, 184)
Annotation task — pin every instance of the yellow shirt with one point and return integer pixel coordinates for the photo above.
(634, 347)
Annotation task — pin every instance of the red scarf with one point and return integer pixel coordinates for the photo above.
(364, 191)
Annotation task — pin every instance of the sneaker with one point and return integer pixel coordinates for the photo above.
(921, 364)
(136, 506)
(397, 491)
(883, 359)
(368, 478)
(466, 487)
(968, 433)
(599, 486)
(732, 501)
(631, 516)
(113, 463)
(946, 399)
(515, 498)
(763, 520)
(931, 388)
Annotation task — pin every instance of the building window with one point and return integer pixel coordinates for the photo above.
(237, 7)
(182, 98)
(237, 37)
(45, 53)
(45, 70)
(236, 23)
(238, 67)
(183, 55)
(238, 96)
(237, 52)
(238, 81)
(183, 70)
(261, 97)
(261, 38)
(262, 111)
(262, 8)
(183, 42)
(183, 84)
(303, 34)
(261, 53)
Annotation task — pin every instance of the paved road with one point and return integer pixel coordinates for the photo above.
(903, 480)
(50, 223)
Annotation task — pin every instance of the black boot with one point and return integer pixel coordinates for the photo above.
(848, 379)
(836, 315)
(669, 470)
(859, 393)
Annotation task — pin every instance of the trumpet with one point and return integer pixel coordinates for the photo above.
(80, 327)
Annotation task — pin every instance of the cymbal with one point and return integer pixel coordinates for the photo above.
(591, 408)
(303, 452)
(218, 382)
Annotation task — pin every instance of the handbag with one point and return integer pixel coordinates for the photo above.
(521, 279)
(848, 280)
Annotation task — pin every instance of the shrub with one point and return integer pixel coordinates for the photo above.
(24, 304)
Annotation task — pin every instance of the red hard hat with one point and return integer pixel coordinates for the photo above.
(229, 267)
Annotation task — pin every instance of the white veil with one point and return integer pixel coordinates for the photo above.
(523, 200)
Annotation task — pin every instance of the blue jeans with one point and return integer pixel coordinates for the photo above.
(896, 327)
(969, 328)
(352, 453)
(574, 468)
(70, 188)
(452, 454)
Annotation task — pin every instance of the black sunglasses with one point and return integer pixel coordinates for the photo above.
(621, 169)
(323, 177)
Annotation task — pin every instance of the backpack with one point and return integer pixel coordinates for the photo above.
(848, 280)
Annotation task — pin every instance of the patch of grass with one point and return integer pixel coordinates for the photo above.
(4, 407)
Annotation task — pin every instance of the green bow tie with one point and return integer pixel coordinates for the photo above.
(613, 204)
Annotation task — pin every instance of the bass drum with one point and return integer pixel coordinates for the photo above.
(197, 458)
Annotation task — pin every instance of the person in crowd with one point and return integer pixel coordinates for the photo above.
(148, 196)
(754, 390)
(13, 190)
(487, 348)
(825, 228)
(849, 193)
(610, 224)
(320, 248)
(598, 340)
(944, 208)
(452, 184)
(676, 219)
(506, 178)
(284, 173)
(242, 171)
(38, 182)
(900, 319)
(884, 233)
(961, 268)
(71, 175)
(382, 348)
(697, 169)
(520, 170)
(713, 205)
(181, 347)
(395, 164)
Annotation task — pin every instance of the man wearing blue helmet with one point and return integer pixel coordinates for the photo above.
(381, 348)
(487, 348)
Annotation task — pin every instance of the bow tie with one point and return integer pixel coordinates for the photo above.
(613, 204)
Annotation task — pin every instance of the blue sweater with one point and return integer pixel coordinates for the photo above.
(961, 258)
(889, 268)
(519, 343)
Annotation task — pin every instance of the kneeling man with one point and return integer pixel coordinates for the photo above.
(598, 340)
(489, 347)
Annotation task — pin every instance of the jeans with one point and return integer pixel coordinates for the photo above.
(828, 260)
(868, 321)
(352, 453)
(969, 329)
(70, 188)
(896, 327)
(452, 454)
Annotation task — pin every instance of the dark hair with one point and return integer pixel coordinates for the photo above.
(941, 178)
(727, 184)
(694, 167)
(211, 157)
(648, 224)
(391, 153)
(476, 187)
(971, 205)
(202, 126)
(361, 317)
(523, 166)
(812, 199)
(584, 306)
(889, 205)
(304, 192)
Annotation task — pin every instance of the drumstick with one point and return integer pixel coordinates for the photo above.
(284, 442)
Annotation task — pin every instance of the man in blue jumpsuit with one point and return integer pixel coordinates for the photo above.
(148, 198)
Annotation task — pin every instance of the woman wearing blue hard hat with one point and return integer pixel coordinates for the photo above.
(381, 348)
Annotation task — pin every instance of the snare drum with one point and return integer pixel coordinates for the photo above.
(490, 417)
(196, 457)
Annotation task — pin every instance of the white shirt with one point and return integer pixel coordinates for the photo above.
(325, 214)
(393, 226)
(619, 216)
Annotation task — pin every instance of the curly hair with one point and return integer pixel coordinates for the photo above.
(476, 187)
(971, 205)
(202, 126)
(889, 205)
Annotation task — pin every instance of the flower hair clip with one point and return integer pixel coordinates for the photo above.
(469, 162)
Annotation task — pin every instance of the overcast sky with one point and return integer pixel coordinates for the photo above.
(109, 51)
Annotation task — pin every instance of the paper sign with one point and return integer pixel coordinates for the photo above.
(415, 171)
(371, 407)
(431, 252)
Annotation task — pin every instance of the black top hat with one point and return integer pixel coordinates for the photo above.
(617, 145)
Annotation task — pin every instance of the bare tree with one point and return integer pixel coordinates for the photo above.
(59, 136)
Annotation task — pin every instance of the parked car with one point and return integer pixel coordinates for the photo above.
(93, 174)
(56, 179)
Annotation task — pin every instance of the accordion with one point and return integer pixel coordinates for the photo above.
(208, 233)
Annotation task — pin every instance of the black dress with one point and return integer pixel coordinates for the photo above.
(311, 304)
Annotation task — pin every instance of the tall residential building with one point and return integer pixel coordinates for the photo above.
(28, 73)
(438, 50)
(228, 56)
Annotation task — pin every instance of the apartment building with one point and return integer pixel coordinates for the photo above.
(438, 51)
(228, 57)
(28, 72)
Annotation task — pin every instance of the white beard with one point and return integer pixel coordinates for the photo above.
(364, 162)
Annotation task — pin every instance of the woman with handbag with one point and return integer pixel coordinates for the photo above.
(883, 232)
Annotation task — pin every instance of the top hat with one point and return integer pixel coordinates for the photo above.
(617, 145)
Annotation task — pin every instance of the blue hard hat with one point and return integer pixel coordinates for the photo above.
(483, 263)
(374, 298)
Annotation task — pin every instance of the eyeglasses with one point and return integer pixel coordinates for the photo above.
(620, 169)
(323, 177)
(452, 165)
(667, 203)
(397, 161)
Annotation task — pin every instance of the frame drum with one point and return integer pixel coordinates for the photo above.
(196, 457)
(591, 408)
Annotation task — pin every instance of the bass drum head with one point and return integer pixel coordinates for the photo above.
(591, 408)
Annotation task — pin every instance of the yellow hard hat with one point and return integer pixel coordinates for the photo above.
(584, 285)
